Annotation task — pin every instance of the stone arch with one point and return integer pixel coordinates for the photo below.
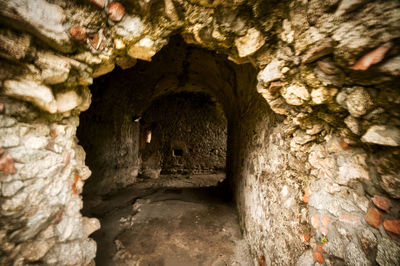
(329, 68)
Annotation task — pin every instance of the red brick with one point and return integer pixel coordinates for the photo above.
(372, 57)
(373, 217)
(320, 248)
(318, 257)
(325, 220)
(78, 34)
(350, 219)
(382, 202)
(306, 194)
(315, 221)
(392, 226)
(115, 11)
(7, 164)
(306, 238)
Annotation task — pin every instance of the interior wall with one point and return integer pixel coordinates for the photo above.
(188, 136)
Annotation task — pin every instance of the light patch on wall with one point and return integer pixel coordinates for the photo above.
(148, 136)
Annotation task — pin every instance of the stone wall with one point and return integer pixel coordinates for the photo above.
(188, 135)
(320, 184)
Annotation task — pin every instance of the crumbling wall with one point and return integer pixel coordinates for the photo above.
(329, 68)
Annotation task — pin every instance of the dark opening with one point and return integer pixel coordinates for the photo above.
(177, 152)
(157, 134)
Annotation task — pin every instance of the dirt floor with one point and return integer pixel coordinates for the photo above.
(144, 225)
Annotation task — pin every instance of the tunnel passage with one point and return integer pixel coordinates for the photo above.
(185, 120)
(152, 121)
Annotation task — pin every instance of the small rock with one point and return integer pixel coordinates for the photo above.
(373, 217)
(295, 94)
(325, 47)
(382, 135)
(55, 69)
(103, 69)
(78, 34)
(358, 102)
(320, 95)
(353, 124)
(382, 203)
(98, 3)
(250, 43)
(125, 62)
(392, 226)
(143, 50)
(115, 11)
(7, 164)
(30, 91)
(90, 225)
(67, 101)
(271, 72)
(11, 188)
(372, 57)
(318, 257)
(130, 27)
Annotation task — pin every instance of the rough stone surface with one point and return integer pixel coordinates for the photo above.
(382, 135)
(250, 43)
(41, 18)
(295, 94)
(271, 72)
(335, 64)
(54, 68)
(40, 95)
(388, 253)
(382, 203)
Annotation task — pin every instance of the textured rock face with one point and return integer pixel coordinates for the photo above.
(330, 68)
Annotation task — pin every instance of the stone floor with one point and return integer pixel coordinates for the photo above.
(168, 226)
